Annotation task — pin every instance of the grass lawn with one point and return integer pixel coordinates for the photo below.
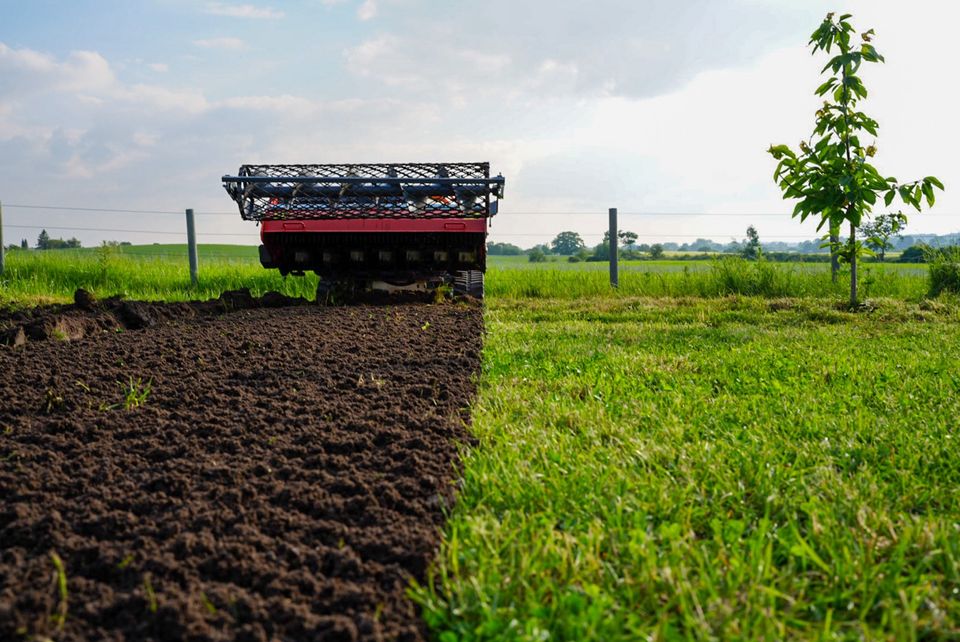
(728, 468)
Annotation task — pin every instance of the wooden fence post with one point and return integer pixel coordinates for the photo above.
(614, 272)
(192, 247)
(2, 258)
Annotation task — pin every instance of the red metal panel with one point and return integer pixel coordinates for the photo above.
(375, 225)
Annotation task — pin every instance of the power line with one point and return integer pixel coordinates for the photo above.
(509, 235)
(663, 236)
(784, 215)
(597, 212)
(119, 231)
(702, 235)
(111, 211)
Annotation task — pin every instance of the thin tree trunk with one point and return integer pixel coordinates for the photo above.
(834, 257)
(853, 266)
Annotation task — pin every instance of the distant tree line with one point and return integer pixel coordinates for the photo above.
(504, 249)
(44, 242)
(881, 235)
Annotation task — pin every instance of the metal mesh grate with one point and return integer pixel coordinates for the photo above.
(386, 190)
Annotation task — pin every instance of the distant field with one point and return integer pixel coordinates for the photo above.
(179, 250)
(674, 265)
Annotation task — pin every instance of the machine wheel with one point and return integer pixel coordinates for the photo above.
(325, 292)
(469, 282)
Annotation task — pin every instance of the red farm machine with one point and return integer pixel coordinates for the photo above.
(408, 226)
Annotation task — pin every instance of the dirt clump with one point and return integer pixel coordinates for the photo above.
(254, 474)
(88, 316)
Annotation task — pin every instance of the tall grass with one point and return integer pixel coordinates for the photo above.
(34, 277)
(721, 277)
(53, 276)
(945, 271)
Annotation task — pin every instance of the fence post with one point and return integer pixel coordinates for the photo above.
(2, 259)
(614, 274)
(192, 247)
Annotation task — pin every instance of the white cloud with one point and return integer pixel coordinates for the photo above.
(144, 139)
(614, 47)
(242, 11)
(25, 71)
(286, 104)
(162, 98)
(367, 10)
(220, 43)
(159, 67)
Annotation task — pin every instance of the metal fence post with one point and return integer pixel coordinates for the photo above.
(614, 273)
(192, 247)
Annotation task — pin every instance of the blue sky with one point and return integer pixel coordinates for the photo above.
(647, 105)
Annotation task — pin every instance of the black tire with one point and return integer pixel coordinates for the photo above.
(266, 260)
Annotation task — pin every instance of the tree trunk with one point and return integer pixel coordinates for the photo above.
(853, 266)
(834, 257)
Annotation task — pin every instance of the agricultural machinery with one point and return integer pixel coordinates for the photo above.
(406, 226)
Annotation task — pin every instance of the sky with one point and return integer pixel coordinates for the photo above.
(661, 108)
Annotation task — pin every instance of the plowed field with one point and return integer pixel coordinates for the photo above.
(241, 469)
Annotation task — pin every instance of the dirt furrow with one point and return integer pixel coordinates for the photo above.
(258, 474)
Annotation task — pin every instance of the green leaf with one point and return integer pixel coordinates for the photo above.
(933, 180)
(825, 87)
(889, 197)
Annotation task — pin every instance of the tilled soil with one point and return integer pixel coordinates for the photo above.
(283, 478)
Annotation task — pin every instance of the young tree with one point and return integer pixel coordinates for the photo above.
(43, 241)
(567, 243)
(751, 247)
(879, 230)
(656, 251)
(830, 175)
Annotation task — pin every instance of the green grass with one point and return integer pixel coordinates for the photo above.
(174, 250)
(732, 468)
(719, 277)
(140, 272)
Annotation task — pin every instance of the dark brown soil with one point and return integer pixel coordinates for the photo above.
(284, 479)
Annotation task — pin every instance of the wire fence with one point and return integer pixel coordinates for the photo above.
(630, 219)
